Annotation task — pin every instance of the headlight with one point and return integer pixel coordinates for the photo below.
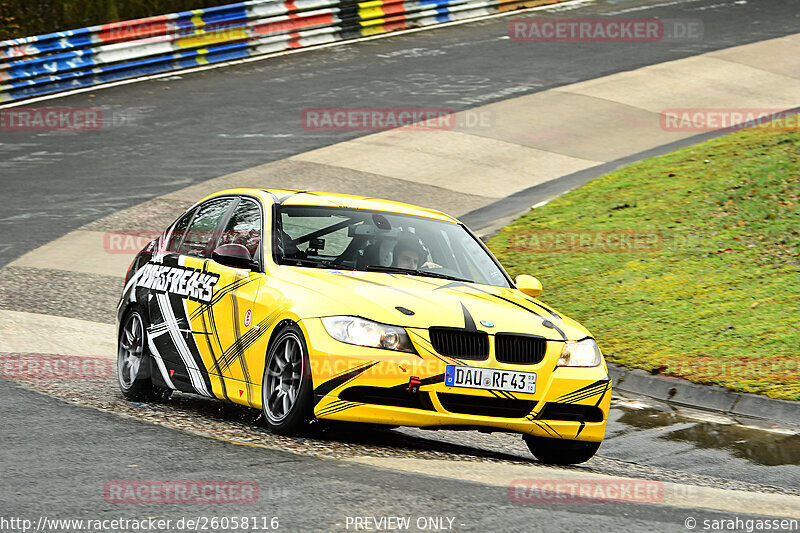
(580, 353)
(362, 332)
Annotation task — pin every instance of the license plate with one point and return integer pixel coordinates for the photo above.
(472, 377)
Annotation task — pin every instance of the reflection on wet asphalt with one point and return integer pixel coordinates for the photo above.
(646, 418)
(697, 442)
(756, 445)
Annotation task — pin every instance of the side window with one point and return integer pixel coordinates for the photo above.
(179, 230)
(244, 227)
(202, 232)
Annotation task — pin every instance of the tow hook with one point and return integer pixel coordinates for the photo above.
(413, 384)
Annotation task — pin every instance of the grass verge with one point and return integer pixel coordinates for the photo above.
(685, 264)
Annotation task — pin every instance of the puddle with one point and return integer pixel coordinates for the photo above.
(649, 418)
(756, 445)
(766, 447)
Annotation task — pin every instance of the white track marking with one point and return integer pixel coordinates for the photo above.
(651, 6)
(22, 332)
(673, 494)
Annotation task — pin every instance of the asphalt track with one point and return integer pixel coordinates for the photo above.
(186, 129)
(305, 493)
(169, 146)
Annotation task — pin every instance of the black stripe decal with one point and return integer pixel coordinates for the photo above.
(544, 428)
(237, 349)
(576, 399)
(338, 408)
(323, 390)
(545, 322)
(592, 389)
(604, 393)
(238, 341)
(469, 323)
(211, 350)
(332, 406)
(219, 294)
(175, 366)
(551, 428)
(179, 309)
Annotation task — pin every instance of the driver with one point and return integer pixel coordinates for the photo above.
(408, 253)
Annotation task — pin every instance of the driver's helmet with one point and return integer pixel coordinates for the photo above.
(409, 243)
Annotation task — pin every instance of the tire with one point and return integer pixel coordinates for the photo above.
(286, 387)
(134, 362)
(561, 451)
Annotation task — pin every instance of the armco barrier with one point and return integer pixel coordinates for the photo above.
(45, 64)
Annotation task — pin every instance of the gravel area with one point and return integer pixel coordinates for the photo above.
(60, 292)
(211, 418)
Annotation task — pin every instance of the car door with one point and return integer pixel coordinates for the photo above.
(227, 328)
(179, 283)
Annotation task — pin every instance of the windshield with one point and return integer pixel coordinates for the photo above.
(355, 239)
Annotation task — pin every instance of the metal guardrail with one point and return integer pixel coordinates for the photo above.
(45, 64)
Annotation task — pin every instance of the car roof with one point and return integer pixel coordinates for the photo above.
(320, 198)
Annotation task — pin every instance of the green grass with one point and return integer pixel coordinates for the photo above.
(716, 299)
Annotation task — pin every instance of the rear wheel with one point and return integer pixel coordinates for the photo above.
(561, 451)
(286, 394)
(133, 362)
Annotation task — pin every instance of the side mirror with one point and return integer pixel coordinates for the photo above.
(233, 255)
(528, 285)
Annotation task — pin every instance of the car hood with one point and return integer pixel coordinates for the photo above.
(434, 302)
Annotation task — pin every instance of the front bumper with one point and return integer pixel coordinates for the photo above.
(358, 384)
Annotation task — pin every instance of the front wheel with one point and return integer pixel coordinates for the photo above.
(286, 395)
(133, 362)
(561, 451)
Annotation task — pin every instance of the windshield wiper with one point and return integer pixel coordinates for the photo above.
(398, 270)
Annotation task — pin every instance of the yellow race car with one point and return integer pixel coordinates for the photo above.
(311, 305)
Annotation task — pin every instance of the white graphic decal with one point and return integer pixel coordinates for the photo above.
(186, 282)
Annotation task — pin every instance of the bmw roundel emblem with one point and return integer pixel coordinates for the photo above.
(487, 323)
